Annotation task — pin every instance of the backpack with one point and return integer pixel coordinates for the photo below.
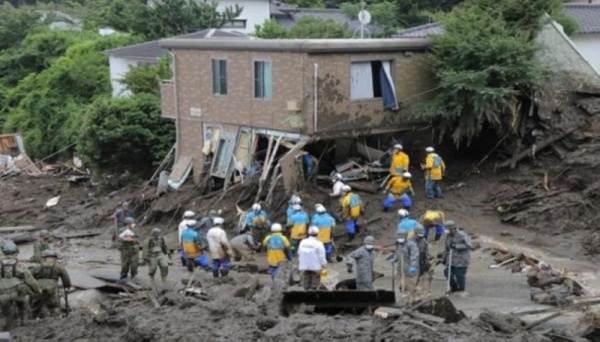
(355, 201)
(437, 161)
(9, 283)
(275, 243)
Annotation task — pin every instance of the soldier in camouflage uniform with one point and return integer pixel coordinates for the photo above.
(130, 248)
(407, 256)
(42, 244)
(47, 275)
(157, 255)
(363, 257)
(16, 285)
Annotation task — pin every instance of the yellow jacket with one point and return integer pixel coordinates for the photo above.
(277, 246)
(351, 205)
(398, 185)
(434, 167)
(399, 164)
(433, 217)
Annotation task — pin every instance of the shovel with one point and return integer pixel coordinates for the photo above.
(448, 288)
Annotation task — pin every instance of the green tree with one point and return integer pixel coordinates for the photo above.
(167, 17)
(384, 14)
(125, 134)
(306, 27)
(485, 64)
(146, 79)
(15, 24)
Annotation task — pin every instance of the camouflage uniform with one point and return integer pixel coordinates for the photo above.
(364, 264)
(157, 257)
(129, 255)
(16, 284)
(409, 252)
(38, 247)
(47, 275)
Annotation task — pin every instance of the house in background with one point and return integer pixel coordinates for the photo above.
(587, 38)
(237, 104)
(121, 60)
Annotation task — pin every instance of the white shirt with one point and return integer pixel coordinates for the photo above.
(337, 188)
(217, 242)
(311, 254)
(180, 230)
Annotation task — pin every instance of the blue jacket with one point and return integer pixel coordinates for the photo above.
(407, 224)
(261, 219)
(323, 220)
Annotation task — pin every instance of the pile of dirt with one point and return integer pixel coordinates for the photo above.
(558, 190)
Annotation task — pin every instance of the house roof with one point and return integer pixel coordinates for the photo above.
(422, 31)
(153, 51)
(279, 9)
(586, 15)
(300, 45)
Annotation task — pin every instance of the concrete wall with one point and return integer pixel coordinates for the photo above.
(118, 68)
(560, 55)
(255, 12)
(589, 46)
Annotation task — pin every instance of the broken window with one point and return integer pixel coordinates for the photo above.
(219, 71)
(262, 80)
(373, 79)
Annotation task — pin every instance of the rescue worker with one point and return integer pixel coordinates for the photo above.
(425, 270)
(219, 248)
(257, 221)
(119, 217)
(433, 219)
(407, 256)
(363, 257)
(278, 249)
(434, 172)
(399, 188)
(298, 225)
(310, 166)
(47, 275)
(290, 210)
(325, 223)
(157, 255)
(243, 246)
(194, 247)
(338, 184)
(188, 215)
(207, 223)
(16, 285)
(311, 260)
(351, 211)
(129, 247)
(40, 245)
(457, 257)
(399, 161)
(406, 223)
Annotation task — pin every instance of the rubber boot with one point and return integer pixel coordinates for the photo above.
(224, 273)
(216, 273)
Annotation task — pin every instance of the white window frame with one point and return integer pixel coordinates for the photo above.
(217, 92)
(263, 97)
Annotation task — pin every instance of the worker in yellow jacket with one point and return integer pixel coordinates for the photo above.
(278, 249)
(399, 161)
(399, 188)
(433, 219)
(434, 172)
(351, 210)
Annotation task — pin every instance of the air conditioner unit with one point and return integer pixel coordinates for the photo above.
(293, 106)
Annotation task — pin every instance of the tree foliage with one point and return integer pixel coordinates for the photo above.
(146, 79)
(305, 27)
(125, 134)
(485, 65)
(15, 24)
(167, 17)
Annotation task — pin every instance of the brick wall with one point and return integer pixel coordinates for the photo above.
(167, 99)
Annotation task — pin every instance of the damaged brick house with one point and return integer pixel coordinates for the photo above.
(241, 104)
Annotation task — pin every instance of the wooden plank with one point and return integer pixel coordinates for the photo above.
(25, 228)
(291, 168)
(369, 153)
(77, 235)
(179, 168)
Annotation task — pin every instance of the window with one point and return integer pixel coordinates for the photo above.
(373, 79)
(262, 80)
(219, 71)
(235, 23)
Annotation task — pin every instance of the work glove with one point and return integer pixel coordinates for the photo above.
(412, 271)
(349, 269)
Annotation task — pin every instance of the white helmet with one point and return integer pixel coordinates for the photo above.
(337, 177)
(346, 188)
(397, 147)
(218, 221)
(406, 175)
(403, 213)
(276, 227)
(190, 223)
(320, 208)
(189, 214)
(296, 199)
(256, 207)
(313, 230)
(297, 207)
(429, 149)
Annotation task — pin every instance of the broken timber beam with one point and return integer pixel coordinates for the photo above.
(18, 229)
(527, 151)
(560, 308)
